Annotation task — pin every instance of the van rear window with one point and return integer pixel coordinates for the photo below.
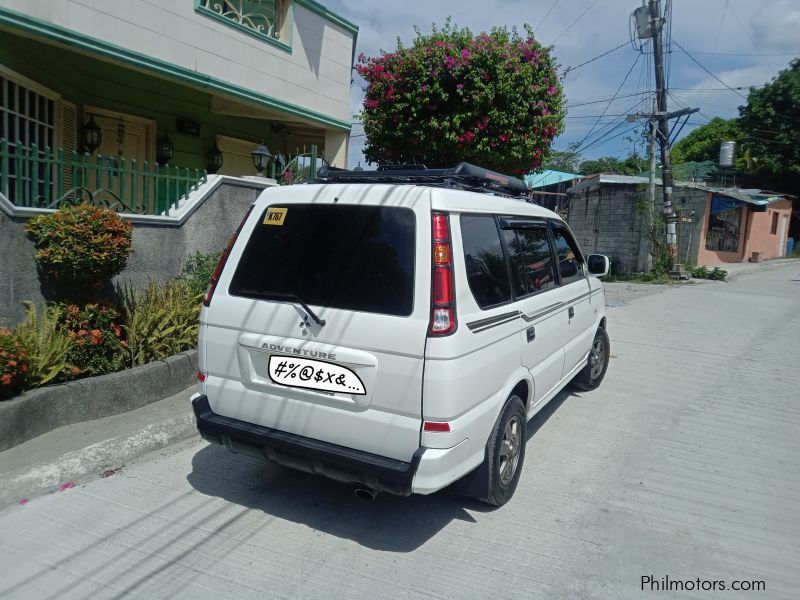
(342, 256)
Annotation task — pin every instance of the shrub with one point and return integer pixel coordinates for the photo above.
(47, 345)
(716, 273)
(198, 270)
(160, 321)
(97, 336)
(81, 245)
(14, 365)
(493, 99)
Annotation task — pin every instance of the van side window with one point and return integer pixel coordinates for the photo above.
(535, 250)
(516, 262)
(484, 261)
(570, 260)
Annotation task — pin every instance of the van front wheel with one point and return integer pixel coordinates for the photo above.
(505, 453)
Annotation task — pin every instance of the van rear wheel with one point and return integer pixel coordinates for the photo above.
(592, 374)
(505, 454)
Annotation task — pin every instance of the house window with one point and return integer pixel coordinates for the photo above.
(724, 224)
(774, 229)
(27, 118)
(266, 19)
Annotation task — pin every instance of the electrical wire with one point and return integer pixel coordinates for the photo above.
(699, 64)
(586, 137)
(606, 53)
(547, 15)
(583, 14)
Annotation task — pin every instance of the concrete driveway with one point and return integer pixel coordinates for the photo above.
(684, 465)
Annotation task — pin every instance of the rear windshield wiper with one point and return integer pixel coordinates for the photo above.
(280, 296)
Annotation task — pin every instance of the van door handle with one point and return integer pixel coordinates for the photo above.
(571, 312)
(531, 333)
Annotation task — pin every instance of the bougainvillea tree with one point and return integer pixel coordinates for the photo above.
(493, 99)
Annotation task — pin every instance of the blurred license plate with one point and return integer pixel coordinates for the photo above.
(314, 375)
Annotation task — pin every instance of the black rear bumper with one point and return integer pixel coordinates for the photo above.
(306, 454)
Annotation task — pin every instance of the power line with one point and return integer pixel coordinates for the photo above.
(744, 53)
(606, 99)
(547, 15)
(636, 60)
(606, 53)
(558, 37)
(699, 64)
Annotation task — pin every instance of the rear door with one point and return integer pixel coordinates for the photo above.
(350, 254)
(542, 311)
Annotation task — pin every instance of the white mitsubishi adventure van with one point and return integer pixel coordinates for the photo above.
(396, 329)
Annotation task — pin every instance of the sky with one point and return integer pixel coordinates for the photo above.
(742, 42)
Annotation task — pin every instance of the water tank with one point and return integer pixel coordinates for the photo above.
(727, 151)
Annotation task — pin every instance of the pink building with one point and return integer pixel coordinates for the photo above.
(740, 225)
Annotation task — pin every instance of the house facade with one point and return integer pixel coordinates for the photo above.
(140, 98)
(608, 214)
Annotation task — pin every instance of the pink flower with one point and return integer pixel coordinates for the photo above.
(503, 137)
(465, 54)
(460, 86)
(551, 90)
(424, 88)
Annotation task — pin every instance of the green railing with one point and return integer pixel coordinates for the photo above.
(36, 177)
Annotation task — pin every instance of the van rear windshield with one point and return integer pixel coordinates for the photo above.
(357, 258)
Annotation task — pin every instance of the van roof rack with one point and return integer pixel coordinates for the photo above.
(463, 176)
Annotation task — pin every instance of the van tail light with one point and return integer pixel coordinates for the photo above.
(212, 285)
(443, 293)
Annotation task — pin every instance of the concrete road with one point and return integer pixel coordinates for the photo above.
(685, 465)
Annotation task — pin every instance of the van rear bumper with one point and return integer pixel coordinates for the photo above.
(306, 454)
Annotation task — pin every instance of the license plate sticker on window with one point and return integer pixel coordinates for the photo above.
(314, 375)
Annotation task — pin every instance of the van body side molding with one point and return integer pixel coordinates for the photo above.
(545, 311)
(484, 324)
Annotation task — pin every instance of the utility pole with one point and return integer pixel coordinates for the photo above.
(656, 26)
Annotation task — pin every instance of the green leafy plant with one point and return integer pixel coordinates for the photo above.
(14, 365)
(81, 245)
(97, 336)
(494, 99)
(716, 273)
(160, 321)
(47, 345)
(198, 270)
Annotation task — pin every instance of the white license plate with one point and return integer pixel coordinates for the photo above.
(314, 375)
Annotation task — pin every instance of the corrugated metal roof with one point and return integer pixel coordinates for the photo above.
(549, 177)
(751, 196)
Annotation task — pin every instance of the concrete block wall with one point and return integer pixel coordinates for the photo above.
(605, 220)
(159, 251)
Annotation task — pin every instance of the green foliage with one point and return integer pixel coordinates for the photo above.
(703, 143)
(47, 345)
(81, 245)
(716, 273)
(97, 336)
(567, 161)
(160, 321)
(771, 125)
(632, 165)
(198, 270)
(493, 99)
(14, 365)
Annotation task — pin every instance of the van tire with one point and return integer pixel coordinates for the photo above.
(505, 449)
(592, 374)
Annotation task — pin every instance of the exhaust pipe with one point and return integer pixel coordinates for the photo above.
(365, 493)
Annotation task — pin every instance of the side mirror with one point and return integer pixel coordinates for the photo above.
(598, 265)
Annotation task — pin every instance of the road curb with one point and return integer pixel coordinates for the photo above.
(42, 410)
(96, 460)
(732, 276)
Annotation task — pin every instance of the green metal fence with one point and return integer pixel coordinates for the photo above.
(36, 177)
